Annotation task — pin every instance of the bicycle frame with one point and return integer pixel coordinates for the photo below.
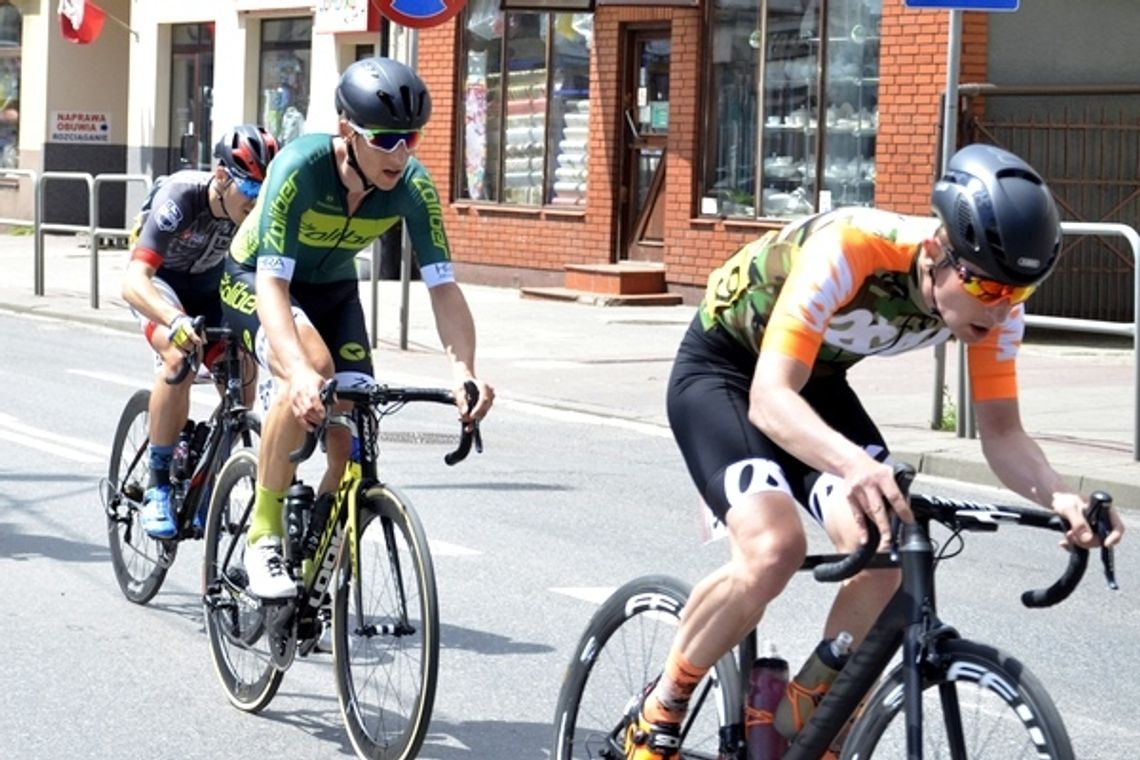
(341, 527)
(910, 620)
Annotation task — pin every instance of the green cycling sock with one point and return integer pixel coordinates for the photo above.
(266, 520)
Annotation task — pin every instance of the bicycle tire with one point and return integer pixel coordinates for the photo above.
(636, 624)
(1000, 702)
(385, 677)
(139, 561)
(235, 623)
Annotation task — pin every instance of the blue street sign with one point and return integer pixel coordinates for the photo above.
(964, 5)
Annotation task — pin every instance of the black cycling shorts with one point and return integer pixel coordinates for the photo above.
(333, 309)
(728, 456)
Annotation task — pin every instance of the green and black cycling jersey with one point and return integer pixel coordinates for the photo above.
(301, 230)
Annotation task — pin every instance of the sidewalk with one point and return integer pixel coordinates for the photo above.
(1077, 395)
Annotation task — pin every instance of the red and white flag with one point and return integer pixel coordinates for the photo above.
(80, 21)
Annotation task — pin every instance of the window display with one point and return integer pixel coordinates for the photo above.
(813, 122)
(525, 106)
(285, 52)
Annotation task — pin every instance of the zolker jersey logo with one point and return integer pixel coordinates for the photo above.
(420, 14)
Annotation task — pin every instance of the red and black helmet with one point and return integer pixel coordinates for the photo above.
(246, 151)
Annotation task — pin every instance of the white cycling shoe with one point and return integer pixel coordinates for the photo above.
(268, 578)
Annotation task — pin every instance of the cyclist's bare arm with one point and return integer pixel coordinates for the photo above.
(1022, 466)
(289, 362)
(456, 329)
(139, 291)
(780, 412)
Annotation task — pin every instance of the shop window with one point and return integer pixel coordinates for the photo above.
(284, 84)
(11, 33)
(794, 89)
(525, 98)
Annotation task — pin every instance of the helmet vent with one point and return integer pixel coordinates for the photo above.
(965, 228)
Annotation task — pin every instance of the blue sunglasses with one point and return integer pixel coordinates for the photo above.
(247, 187)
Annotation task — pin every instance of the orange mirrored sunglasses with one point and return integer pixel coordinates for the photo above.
(985, 289)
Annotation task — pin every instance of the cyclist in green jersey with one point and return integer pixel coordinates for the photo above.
(291, 285)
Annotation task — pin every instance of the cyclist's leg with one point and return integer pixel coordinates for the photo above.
(168, 411)
(736, 469)
(281, 433)
(860, 599)
(336, 313)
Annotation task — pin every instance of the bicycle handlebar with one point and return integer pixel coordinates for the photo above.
(381, 395)
(959, 515)
(1100, 502)
(191, 360)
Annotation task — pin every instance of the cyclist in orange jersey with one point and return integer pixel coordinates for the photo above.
(761, 409)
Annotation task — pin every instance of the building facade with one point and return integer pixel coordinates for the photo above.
(570, 132)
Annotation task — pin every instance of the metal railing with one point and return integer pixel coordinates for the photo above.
(93, 230)
(965, 423)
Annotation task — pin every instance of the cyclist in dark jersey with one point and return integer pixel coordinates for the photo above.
(179, 241)
(760, 405)
(291, 284)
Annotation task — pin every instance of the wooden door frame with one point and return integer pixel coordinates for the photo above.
(627, 227)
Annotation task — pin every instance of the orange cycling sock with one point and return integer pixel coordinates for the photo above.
(670, 698)
(266, 520)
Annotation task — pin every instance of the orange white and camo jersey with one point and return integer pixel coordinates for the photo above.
(836, 287)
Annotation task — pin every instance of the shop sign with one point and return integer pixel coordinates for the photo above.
(420, 14)
(965, 5)
(344, 16)
(80, 127)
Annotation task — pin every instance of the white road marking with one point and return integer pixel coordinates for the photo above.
(203, 395)
(445, 549)
(591, 594)
(75, 449)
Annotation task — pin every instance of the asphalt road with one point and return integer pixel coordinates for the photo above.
(562, 507)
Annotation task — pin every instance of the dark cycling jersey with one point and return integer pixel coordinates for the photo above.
(175, 230)
(301, 230)
(836, 287)
(177, 234)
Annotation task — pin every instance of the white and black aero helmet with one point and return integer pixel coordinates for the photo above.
(999, 214)
(381, 93)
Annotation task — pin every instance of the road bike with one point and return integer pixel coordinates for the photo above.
(361, 558)
(948, 698)
(140, 561)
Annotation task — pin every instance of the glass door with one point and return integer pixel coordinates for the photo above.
(645, 130)
(191, 96)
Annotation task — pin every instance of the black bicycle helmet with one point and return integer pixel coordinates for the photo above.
(999, 214)
(381, 93)
(246, 151)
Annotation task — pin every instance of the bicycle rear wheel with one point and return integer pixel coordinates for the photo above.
(139, 561)
(235, 622)
(622, 649)
(1003, 712)
(386, 630)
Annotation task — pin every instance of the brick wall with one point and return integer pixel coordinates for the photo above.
(912, 79)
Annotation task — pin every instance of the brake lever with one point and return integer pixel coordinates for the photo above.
(1098, 517)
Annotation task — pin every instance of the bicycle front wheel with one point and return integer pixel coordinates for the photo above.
(624, 648)
(235, 622)
(386, 630)
(139, 561)
(978, 703)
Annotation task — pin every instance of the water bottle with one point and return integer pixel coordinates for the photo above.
(318, 518)
(180, 458)
(298, 502)
(806, 690)
(768, 685)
